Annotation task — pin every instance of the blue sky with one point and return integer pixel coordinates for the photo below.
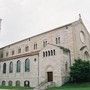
(25, 18)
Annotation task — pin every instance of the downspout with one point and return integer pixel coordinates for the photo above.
(70, 57)
(38, 69)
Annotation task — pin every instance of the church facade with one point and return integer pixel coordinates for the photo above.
(45, 57)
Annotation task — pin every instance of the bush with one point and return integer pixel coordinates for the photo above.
(80, 71)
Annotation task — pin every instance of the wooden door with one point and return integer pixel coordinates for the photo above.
(49, 76)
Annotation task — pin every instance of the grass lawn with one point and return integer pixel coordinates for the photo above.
(14, 88)
(69, 86)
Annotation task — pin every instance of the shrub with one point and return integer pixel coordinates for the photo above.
(80, 71)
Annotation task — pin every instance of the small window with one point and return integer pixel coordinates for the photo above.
(35, 59)
(51, 52)
(43, 54)
(44, 43)
(19, 50)
(54, 52)
(18, 83)
(2, 55)
(58, 40)
(6, 54)
(10, 83)
(27, 48)
(26, 83)
(13, 52)
(3, 83)
(35, 46)
(48, 53)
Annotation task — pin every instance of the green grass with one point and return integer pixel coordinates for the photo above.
(70, 86)
(14, 88)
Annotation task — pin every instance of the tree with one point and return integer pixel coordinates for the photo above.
(80, 71)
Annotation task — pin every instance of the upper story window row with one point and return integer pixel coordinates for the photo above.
(49, 53)
(27, 48)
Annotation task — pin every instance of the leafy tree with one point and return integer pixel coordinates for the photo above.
(80, 71)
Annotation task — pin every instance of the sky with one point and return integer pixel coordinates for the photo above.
(25, 18)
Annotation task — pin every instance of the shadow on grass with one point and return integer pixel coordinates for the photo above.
(72, 86)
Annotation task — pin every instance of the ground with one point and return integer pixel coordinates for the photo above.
(69, 86)
(14, 88)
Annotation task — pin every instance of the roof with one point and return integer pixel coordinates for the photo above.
(80, 20)
(19, 56)
(40, 34)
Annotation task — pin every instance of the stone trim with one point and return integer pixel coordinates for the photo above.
(20, 56)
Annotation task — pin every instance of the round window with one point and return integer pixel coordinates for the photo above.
(82, 36)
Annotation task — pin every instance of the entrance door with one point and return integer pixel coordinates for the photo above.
(49, 76)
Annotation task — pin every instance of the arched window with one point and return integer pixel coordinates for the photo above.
(86, 55)
(51, 53)
(19, 50)
(18, 66)
(27, 48)
(10, 83)
(27, 65)
(4, 68)
(10, 67)
(43, 54)
(48, 53)
(26, 83)
(17, 83)
(54, 52)
(3, 83)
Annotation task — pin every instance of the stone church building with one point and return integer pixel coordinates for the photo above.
(45, 57)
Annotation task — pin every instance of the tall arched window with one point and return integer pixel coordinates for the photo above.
(18, 66)
(18, 83)
(3, 83)
(4, 68)
(10, 83)
(27, 65)
(10, 67)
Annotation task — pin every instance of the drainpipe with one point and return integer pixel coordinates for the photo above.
(38, 69)
(70, 57)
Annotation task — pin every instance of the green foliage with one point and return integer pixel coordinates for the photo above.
(80, 71)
